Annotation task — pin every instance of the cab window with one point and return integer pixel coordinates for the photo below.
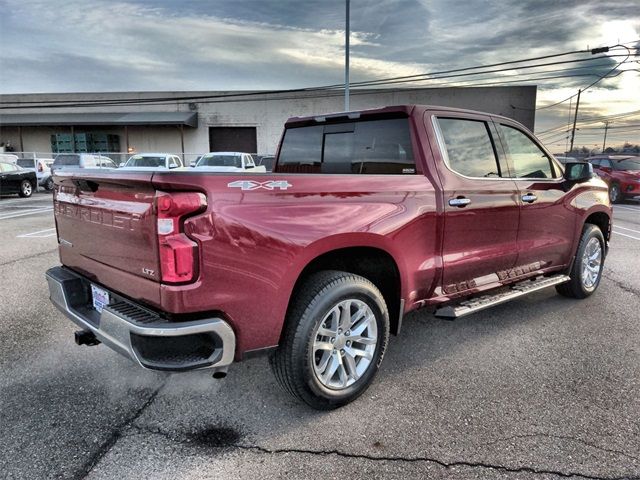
(468, 147)
(380, 147)
(527, 158)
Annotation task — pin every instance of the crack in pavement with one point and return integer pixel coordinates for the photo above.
(28, 257)
(563, 437)
(376, 458)
(117, 433)
(622, 285)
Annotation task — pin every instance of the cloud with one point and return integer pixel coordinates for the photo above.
(97, 45)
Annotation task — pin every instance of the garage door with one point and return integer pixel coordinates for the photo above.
(232, 139)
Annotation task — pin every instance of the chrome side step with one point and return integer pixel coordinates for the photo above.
(473, 305)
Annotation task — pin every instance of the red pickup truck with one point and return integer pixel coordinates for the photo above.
(367, 216)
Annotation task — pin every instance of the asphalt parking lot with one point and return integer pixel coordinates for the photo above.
(542, 387)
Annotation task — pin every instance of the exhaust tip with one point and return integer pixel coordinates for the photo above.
(85, 337)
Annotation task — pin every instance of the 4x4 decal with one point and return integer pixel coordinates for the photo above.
(253, 185)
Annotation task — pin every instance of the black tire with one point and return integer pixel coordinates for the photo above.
(293, 361)
(575, 288)
(615, 194)
(48, 185)
(26, 189)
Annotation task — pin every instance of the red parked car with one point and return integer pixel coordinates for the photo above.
(367, 216)
(622, 174)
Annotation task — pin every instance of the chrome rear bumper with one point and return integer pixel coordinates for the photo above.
(140, 334)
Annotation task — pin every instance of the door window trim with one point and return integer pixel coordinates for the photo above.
(445, 154)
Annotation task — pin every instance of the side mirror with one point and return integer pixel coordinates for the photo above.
(578, 171)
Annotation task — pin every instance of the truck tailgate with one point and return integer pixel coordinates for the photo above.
(107, 229)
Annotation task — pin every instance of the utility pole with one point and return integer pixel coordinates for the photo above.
(575, 119)
(346, 59)
(606, 127)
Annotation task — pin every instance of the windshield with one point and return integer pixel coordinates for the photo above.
(69, 159)
(220, 161)
(144, 161)
(26, 163)
(628, 164)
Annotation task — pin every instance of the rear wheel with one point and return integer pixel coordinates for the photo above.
(26, 189)
(334, 340)
(48, 185)
(615, 195)
(587, 267)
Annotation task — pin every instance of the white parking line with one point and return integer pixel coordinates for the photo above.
(48, 232)
(37, 236)
(625, 235)
(625, 228)
(22, 214)
(23, 201)
(27, 206)
(626, 207)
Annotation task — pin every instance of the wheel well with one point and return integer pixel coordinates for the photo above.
(602, 221)
(374, 264)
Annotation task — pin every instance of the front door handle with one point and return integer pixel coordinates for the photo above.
(529, 198)
(459, 202)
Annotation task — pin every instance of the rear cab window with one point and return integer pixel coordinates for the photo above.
(381, 146)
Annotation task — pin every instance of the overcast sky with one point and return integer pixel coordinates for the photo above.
(102, 45)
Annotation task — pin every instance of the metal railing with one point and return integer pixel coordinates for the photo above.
(120, 158)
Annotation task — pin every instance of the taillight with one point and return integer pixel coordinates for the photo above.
(39, 167)
(178, 253)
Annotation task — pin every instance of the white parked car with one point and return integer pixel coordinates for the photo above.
(42, 167)
(145, 161)
(8, 157)
(229, 162)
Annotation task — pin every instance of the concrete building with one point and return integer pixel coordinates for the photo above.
(198, 122)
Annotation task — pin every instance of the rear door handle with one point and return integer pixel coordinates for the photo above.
(459, 202)
(529, 198)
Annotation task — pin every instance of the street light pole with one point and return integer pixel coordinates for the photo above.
(346, 59)
(606, 127)
(575, 119)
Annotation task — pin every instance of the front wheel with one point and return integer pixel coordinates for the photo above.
(615, 196)
(26, 189)
(334, 340)
(586, 271)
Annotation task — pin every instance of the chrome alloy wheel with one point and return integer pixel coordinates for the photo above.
(26, 188)
(344, 344)
(591, 263)
(614, 193)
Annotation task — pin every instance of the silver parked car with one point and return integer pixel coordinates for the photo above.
(42, 167)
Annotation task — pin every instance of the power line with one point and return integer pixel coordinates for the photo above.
(243, 95)
(405, 79)
(588, 86)
(584, 120)
(589, 120)
(523, 67)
